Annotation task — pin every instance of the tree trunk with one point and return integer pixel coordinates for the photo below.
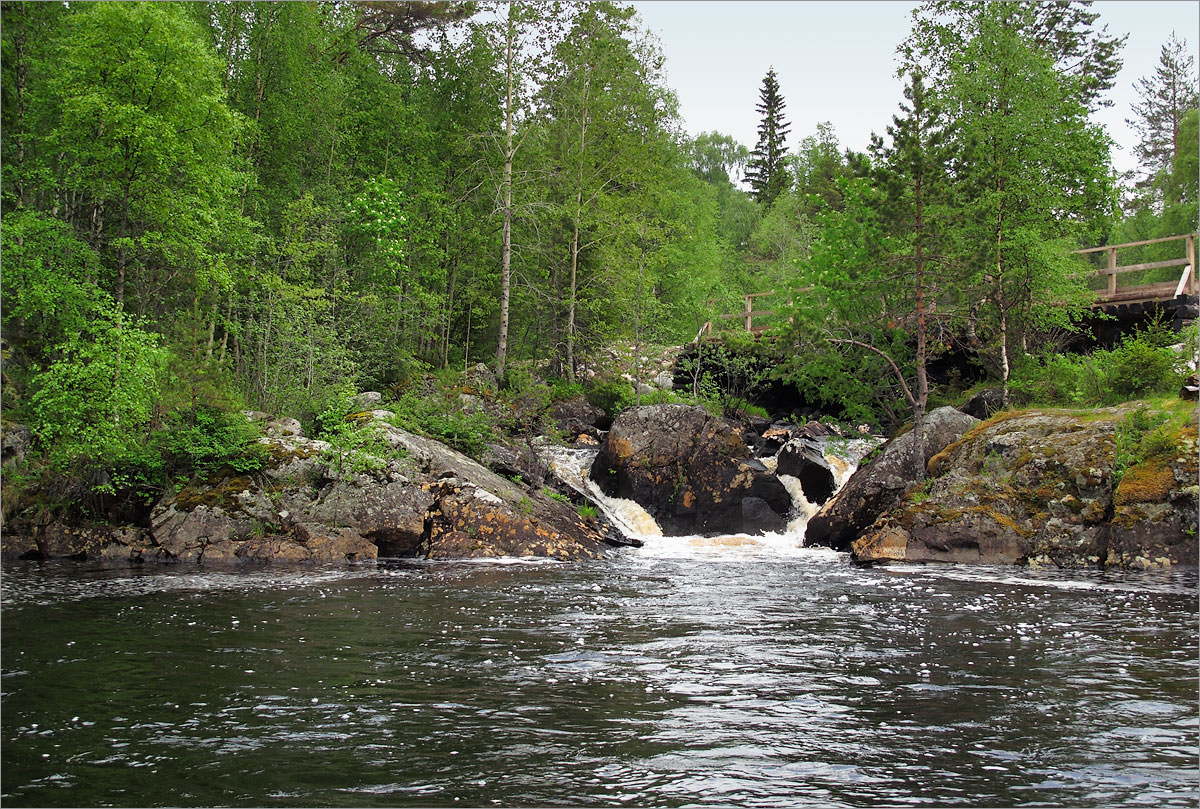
(506, 184)
(574, 279)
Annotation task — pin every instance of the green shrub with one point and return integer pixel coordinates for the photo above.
(1140, 435)
(442, 418)
(610, 395)
(206, 439)
(1138, 368)
(562, 390)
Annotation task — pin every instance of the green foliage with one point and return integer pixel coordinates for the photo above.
(206, 440)
(442, 417)
(96, 402)
(610, 395)
(764, 170)
(1140, 435)
(1143, 365)
(50, 283)
(356, 446)
(588, 512)
(1139, 369)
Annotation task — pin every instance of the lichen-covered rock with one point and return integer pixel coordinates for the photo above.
(469, 522)
(689, 470)
(15, 443)
(59, 540)
(391, 514)
(1037, 487)
(878, 486)
(188, 534)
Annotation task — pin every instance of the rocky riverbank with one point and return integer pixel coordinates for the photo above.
(1106, 488)
(1114, 487)
(313, 502)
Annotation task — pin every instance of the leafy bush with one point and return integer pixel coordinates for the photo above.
(96, 403)
(1142, 365)
(562, 390)
(1139, 436)
(206, 440)
(1140, 368)
(442, 418)
(354, 446)
(610, 395)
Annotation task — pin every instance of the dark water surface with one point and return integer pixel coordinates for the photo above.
(752, 681)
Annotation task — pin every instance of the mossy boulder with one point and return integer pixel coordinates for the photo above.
(1040, 487)
(878, 486)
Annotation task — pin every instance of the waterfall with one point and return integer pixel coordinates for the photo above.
(572, 466)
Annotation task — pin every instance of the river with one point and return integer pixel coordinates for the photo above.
(686, 673)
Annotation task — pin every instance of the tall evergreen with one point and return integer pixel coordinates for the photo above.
(1166, 98)
(765, 171)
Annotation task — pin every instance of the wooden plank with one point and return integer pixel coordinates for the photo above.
(743, 315)
(1133, 244)
(1149, 292)
(1191, 256)
(1149, 265)
(1184, 277)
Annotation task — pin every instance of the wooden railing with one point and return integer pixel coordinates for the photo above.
(1113, 293)
(748, 312)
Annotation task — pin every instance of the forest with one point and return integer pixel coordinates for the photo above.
(216, 206)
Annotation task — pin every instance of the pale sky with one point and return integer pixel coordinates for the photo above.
(836, 61)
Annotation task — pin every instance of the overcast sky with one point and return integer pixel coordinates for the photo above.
(836, 61)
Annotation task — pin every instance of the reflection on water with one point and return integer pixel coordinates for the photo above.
(727, 676)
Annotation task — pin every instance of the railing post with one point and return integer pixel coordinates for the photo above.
(749, 309)
(1112, 274)
(1191, 259)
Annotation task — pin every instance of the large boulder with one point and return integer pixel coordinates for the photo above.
(691, 471)
(878, 485)
(803, 460)
(389, 514)
(576, 416)
(470, 522)
(1037, 488)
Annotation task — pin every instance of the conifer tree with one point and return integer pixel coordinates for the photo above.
(1166, 98)
(765, 170)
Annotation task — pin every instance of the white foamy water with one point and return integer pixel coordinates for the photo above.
(572, 466)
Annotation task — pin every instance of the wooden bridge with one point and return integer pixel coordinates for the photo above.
(1110, 293)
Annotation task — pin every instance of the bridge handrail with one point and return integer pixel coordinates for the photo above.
(1187, 282)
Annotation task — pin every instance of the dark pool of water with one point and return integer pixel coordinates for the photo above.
(644, 682)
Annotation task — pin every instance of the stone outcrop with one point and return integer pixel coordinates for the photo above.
(878, 485)
(310, 504)
(1038, 488)
(691, 471)
(803, 460)
(575, 417)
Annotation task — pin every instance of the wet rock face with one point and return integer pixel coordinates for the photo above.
(691, 471)
(879, 485)
(1038, 488)
(804, 461)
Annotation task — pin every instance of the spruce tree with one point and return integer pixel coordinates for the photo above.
(765, 171)
(1166, 97)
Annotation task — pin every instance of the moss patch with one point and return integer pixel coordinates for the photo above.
(1148, 482)
(222, 495)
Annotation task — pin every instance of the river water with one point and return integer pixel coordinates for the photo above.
(689, 672)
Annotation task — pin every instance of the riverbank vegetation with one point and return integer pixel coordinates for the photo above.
(210, 207)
